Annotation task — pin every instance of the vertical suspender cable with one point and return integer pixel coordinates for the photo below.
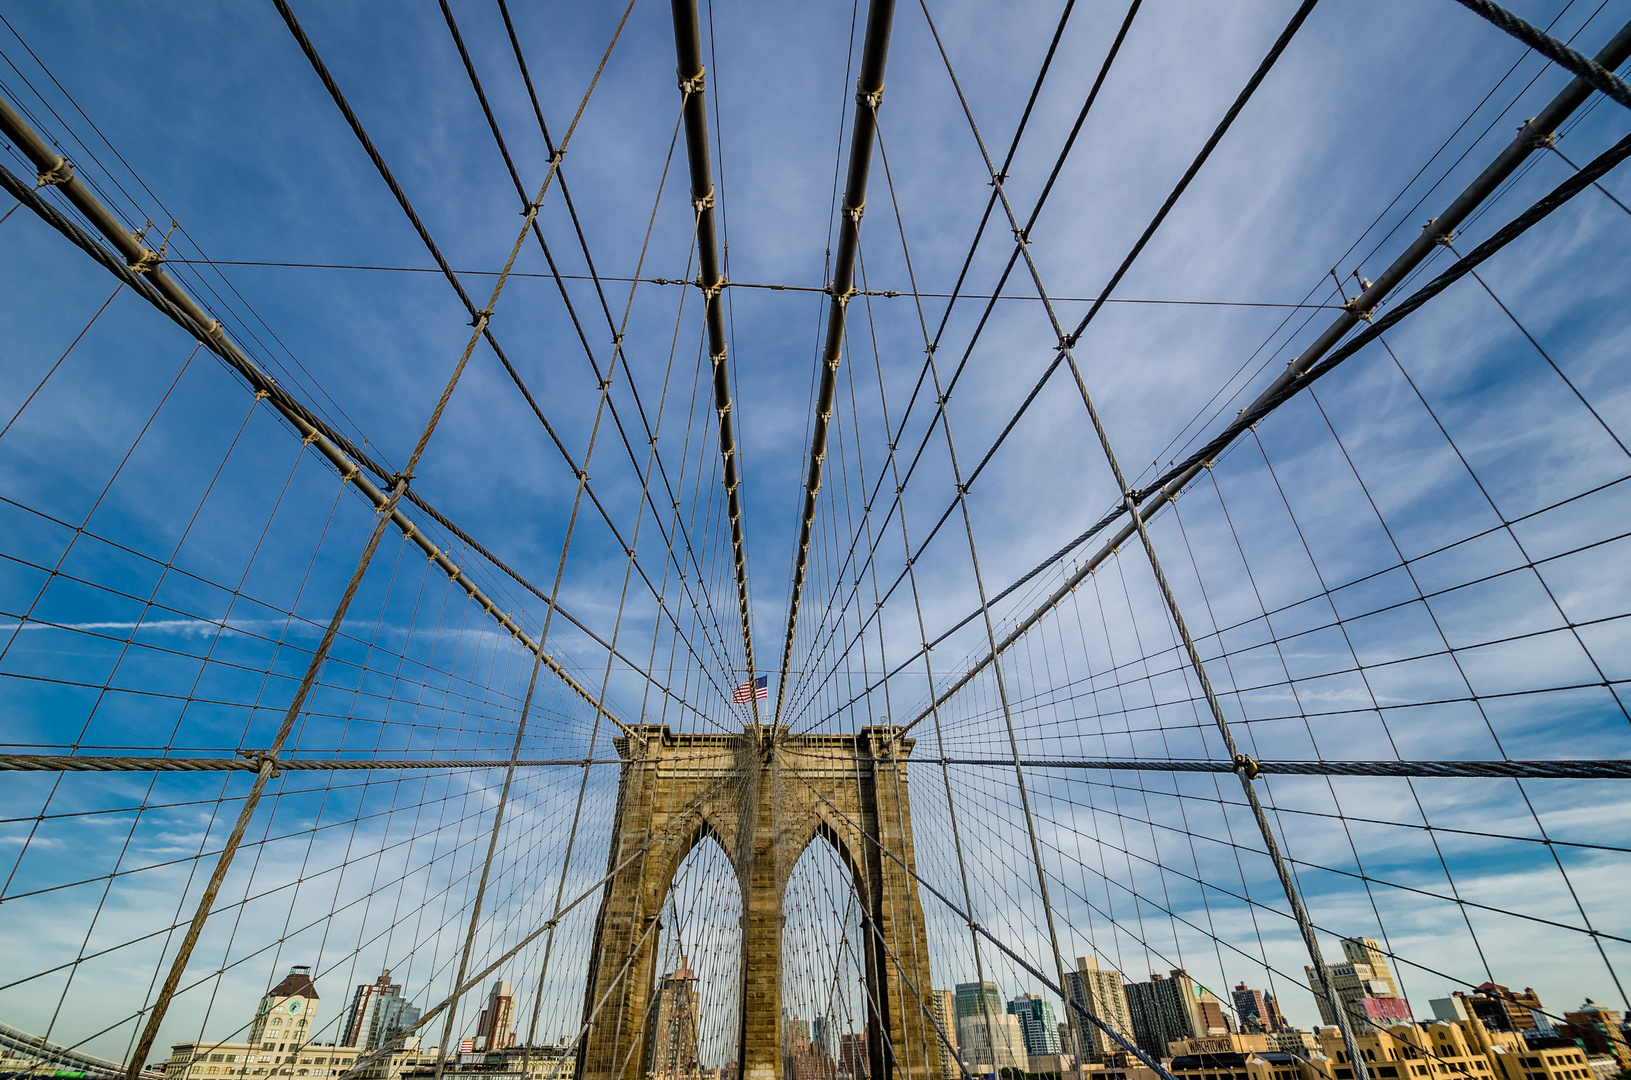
(868, 95)
(711, 280)
(1536, 134)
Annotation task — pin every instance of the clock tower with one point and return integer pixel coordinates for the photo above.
(288, 1013)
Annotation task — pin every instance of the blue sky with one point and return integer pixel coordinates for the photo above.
(1375, 116)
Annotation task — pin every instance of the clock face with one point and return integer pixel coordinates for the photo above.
(294, 1006)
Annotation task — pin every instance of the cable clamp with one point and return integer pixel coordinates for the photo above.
(718, 358)
(350, 474)
(1368, 314)
(481, 319)
(872, 100)
(997, 179)
(711, 291)
(148, 260)
(60, 172)
(1022, 236)
(262, 395)
(555, 158)
(696, 84)
(1445, 239)
(311, 437)
(1247, 767)
(262, 758)
(854, 212)
(699, 203)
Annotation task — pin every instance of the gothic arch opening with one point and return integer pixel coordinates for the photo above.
(693, 1016)
(824, 1014)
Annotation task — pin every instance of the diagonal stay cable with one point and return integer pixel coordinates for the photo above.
(968, 260)
(1170, 482)
(156, 289)
(617, 331)
(1584, 67)
(711, 280)
(382, 522)
(868, 96)
(1534, 133)
(367, 143)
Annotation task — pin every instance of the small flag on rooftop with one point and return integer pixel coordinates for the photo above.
(754, 688)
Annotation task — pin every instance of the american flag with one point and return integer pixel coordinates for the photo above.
(754, 688)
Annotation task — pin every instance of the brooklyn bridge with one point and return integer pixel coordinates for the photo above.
(771, 543)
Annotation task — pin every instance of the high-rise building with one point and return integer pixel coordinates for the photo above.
(493, 1028)
(1038, 1025)
(1162, 1012)
(970, 994)
(794, 1025)
(378, 1013)
(825, 1037)
(1504, 1009)
(992, 1043)
(671, 1041)
(287, 1014)
(943, 1009)
(853, 1061)
(801, 1060)
(1100, 992)
(1363, 984)
(1256, 1010)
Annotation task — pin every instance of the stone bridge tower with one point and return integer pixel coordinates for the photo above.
(764, 798)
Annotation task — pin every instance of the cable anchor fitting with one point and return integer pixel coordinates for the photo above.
(854, 213)
(148, 260)
(696, 84)
(60, 172)
(1247, 767)
(866, 100)
(699, 203)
